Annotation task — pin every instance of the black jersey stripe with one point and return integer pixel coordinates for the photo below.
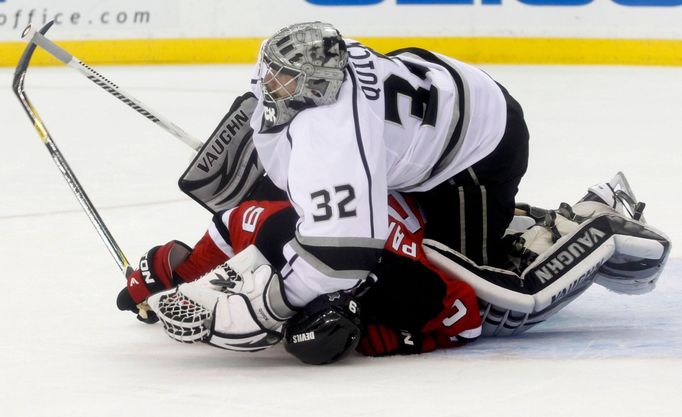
(291, 141)
(456, 137)
(293, 259)
(275, 231)
(358, 136)
(222, 227)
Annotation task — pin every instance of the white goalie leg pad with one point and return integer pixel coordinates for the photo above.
(486, 281)
(568, 267)
(610, 249)
(640, 255)
(641, 250)
(238, 306)
(602, 240)
(510, 303)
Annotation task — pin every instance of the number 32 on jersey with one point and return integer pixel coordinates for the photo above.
(336, 202)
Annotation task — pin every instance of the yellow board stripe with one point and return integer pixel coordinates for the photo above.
(477, 50)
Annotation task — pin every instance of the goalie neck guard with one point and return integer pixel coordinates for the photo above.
(301, 66)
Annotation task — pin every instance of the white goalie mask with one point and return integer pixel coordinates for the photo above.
(301, 66)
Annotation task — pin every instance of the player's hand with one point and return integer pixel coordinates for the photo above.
(154, 274)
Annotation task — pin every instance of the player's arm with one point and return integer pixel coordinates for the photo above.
(265, 224)
(413, 307)
(409, 308)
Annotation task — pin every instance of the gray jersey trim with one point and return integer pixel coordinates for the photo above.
(484, 215)
(362, 242)
(275, 300)
(359, 273)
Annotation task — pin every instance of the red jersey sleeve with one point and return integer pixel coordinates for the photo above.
(230, 232)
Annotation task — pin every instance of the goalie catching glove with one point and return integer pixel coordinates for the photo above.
(240, 305)
(154, 274)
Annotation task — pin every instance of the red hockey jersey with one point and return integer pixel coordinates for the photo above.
(270, 224)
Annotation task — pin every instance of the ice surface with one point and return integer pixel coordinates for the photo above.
(66, 351)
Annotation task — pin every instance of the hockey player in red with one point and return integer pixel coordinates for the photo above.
(407, 306)
(421, 296)
(414, 307)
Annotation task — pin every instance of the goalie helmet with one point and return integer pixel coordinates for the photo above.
(325, 331)
(301, 66)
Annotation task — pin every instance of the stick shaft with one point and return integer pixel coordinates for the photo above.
(65, 57)
(77, 188)
(60, 161)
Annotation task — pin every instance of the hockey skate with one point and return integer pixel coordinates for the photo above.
(640, 253)
(618, 195)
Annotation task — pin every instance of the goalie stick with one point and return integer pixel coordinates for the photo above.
(34, 37)
(67, 173)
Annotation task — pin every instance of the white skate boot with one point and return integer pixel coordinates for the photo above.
(616, 194)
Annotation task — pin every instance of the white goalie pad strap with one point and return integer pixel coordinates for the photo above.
(538, 239)
(519, 224)
(591, 209)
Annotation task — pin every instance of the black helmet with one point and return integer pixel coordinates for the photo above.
(325, 331)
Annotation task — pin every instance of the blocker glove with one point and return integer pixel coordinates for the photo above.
(154, 274)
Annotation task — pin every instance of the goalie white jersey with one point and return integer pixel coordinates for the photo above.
(403, 122)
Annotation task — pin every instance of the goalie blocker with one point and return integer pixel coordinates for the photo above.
(561, 256)
(226, 170)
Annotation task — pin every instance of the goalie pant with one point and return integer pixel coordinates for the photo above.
(408, 306)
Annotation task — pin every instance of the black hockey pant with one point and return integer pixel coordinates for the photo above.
(471, 211)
